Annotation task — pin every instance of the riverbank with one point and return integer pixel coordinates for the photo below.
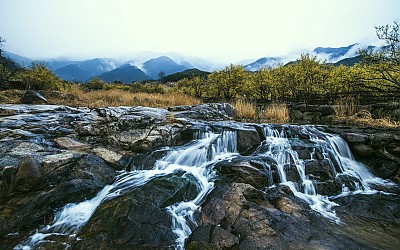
(255, 182)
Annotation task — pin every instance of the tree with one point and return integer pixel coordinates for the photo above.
(384, 64)
(39, 77)
(7, 67)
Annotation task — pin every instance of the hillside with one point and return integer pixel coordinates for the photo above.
(125, 74)
(189, 73)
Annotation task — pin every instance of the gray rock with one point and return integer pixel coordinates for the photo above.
(355, 138)
(248, 139)
(28, 176)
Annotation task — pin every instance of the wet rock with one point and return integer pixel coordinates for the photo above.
(319, 170)
(362, 150)
(248, 140)
(250, 170)
(33, 97)
(28, 176)
(138, 219)
(355, 138)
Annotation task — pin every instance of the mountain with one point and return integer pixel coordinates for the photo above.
(20, 60)
(264, 62)
(54, 64)
(125, 73)
(189, 73)
(73, 73)
(153, 67)
(81, 71)
(334, 53)
(351, 61)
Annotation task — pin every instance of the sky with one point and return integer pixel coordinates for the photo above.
(219, 30)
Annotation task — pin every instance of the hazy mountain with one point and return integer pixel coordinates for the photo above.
(349, 61)
(83, 70)
(126, 74)
(163, 63)
(54, 64)
(73, 73)
(334, 53)
(20, 60)
(264, 62)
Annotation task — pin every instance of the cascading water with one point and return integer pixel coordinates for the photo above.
(333, 148)
(195, 159)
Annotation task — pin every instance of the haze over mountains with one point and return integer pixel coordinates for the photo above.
(110, 70)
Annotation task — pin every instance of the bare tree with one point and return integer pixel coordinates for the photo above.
(384, 64)
(7, 67)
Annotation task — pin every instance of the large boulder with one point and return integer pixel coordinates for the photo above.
(138, 219)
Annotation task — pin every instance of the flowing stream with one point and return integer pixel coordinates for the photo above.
(197, 159)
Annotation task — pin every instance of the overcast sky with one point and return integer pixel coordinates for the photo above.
(222, 30)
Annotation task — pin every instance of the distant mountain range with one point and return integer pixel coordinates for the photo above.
(110, 70)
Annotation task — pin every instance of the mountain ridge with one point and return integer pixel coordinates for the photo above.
(154, 68)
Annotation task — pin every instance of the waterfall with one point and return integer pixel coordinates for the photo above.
(196, 159)
(333, 148)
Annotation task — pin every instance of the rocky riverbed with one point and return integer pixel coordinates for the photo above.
(190, 177)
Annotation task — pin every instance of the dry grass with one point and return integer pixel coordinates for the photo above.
(275, 113)
(364, 119)
(345, 106)
(76, 96)
(346, 112)
(245, 109)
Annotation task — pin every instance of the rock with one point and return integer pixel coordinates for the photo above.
(248, 140)
(69, 143)
(209, 111)
(362, 150)
(33, 97)
(355, 138)
(327, 110)
(297, 115)
(386, 169)
(109, 156)
(28, 176)
(286, 205)
(312, 116)
(211, 237)
(247, 170)
(138, 219)
(329, 119)
(223, 239)
(6, 176)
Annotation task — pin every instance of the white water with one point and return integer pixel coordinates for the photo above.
(195, 159)
(335, 150)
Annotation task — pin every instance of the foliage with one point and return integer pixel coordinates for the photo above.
(383, 66)
(189, 73)
(39, 77)
(7, 67)
(151, 88)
